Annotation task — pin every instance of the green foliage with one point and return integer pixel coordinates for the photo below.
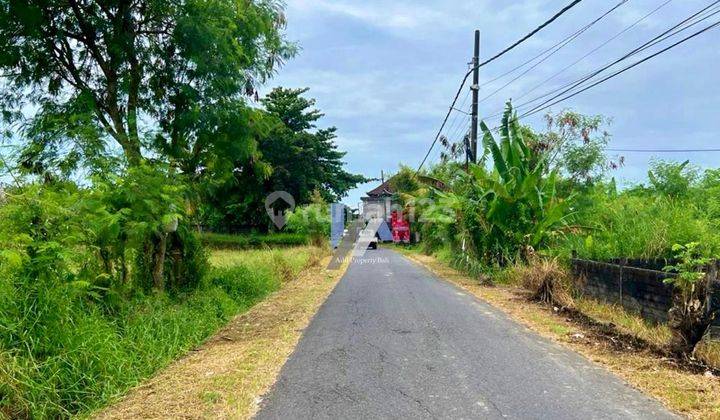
(406, 184)
(293, 155)
(635, 224)
(671, 178)
(689, 315)
(312, 220)
(689, 268)
(93, 69)
(575, 145)
(72, 272)
(501, 214)
(109, 235)
(63, 353)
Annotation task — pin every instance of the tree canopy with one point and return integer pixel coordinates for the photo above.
(293, 154)
(148, 78)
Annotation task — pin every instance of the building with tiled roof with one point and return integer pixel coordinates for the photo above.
(378, 203)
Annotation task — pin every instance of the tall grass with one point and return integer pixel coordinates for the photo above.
(78, 357)
(639, 226)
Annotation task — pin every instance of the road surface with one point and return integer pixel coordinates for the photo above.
(393, 341)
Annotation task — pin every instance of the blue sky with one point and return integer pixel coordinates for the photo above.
(385, 71)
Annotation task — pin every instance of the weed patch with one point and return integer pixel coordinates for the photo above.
(546, 279)
(228, 374)
(708, 351)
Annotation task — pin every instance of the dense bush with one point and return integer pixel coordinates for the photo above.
(102, 285)
(501, 214)
(122, 233)
(312, 220)
(638, 227)
(524, 202)
(678, 207)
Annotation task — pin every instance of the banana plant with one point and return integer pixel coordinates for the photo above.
(511, 205)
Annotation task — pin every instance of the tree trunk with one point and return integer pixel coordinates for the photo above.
(107, 261)
(124, 268)
(159, 262)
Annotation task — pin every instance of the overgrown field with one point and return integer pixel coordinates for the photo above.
(62, 355)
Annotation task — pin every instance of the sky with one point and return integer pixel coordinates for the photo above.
(385, 71)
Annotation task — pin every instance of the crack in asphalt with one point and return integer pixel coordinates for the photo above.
(416, 401)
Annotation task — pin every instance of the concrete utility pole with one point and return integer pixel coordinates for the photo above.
(475, 91)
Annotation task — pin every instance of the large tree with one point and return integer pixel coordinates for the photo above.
(146, 78)
(304, 158)
(293, 155)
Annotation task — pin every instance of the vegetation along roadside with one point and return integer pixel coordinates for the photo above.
(124, 128)
(227, 376)
(509, 228)
(98, 356)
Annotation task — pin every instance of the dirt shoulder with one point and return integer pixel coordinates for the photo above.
(226, 376)
(693, 394)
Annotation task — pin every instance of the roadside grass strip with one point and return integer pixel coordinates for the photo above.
(227, 376)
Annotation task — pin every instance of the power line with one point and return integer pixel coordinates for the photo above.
(460, 117)
(652, 42)
(529, 35)
(559, 46)
(542, 53)
(460, 131)
(619, 72)
(493, 58)
(442, 126)
(461, 111)
(663, 150)
(614, 37)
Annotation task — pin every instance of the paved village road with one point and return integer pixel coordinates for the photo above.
(393, 341)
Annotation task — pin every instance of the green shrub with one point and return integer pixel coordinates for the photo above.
(502, 214)
(690, 315)
(637, 225)
(312, 220)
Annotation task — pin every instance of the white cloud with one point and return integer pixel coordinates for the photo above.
(396, 15)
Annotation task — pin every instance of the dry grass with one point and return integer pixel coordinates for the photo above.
(709, 352)
(659, 335)
(691, 394)
(546, 279)
(226, 377)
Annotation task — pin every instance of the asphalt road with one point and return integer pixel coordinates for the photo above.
(393, 341)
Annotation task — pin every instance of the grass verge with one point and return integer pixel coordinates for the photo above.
(102, 355)
(693, 394)
(227, 376)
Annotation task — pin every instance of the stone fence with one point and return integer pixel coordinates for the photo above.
(639, 286)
